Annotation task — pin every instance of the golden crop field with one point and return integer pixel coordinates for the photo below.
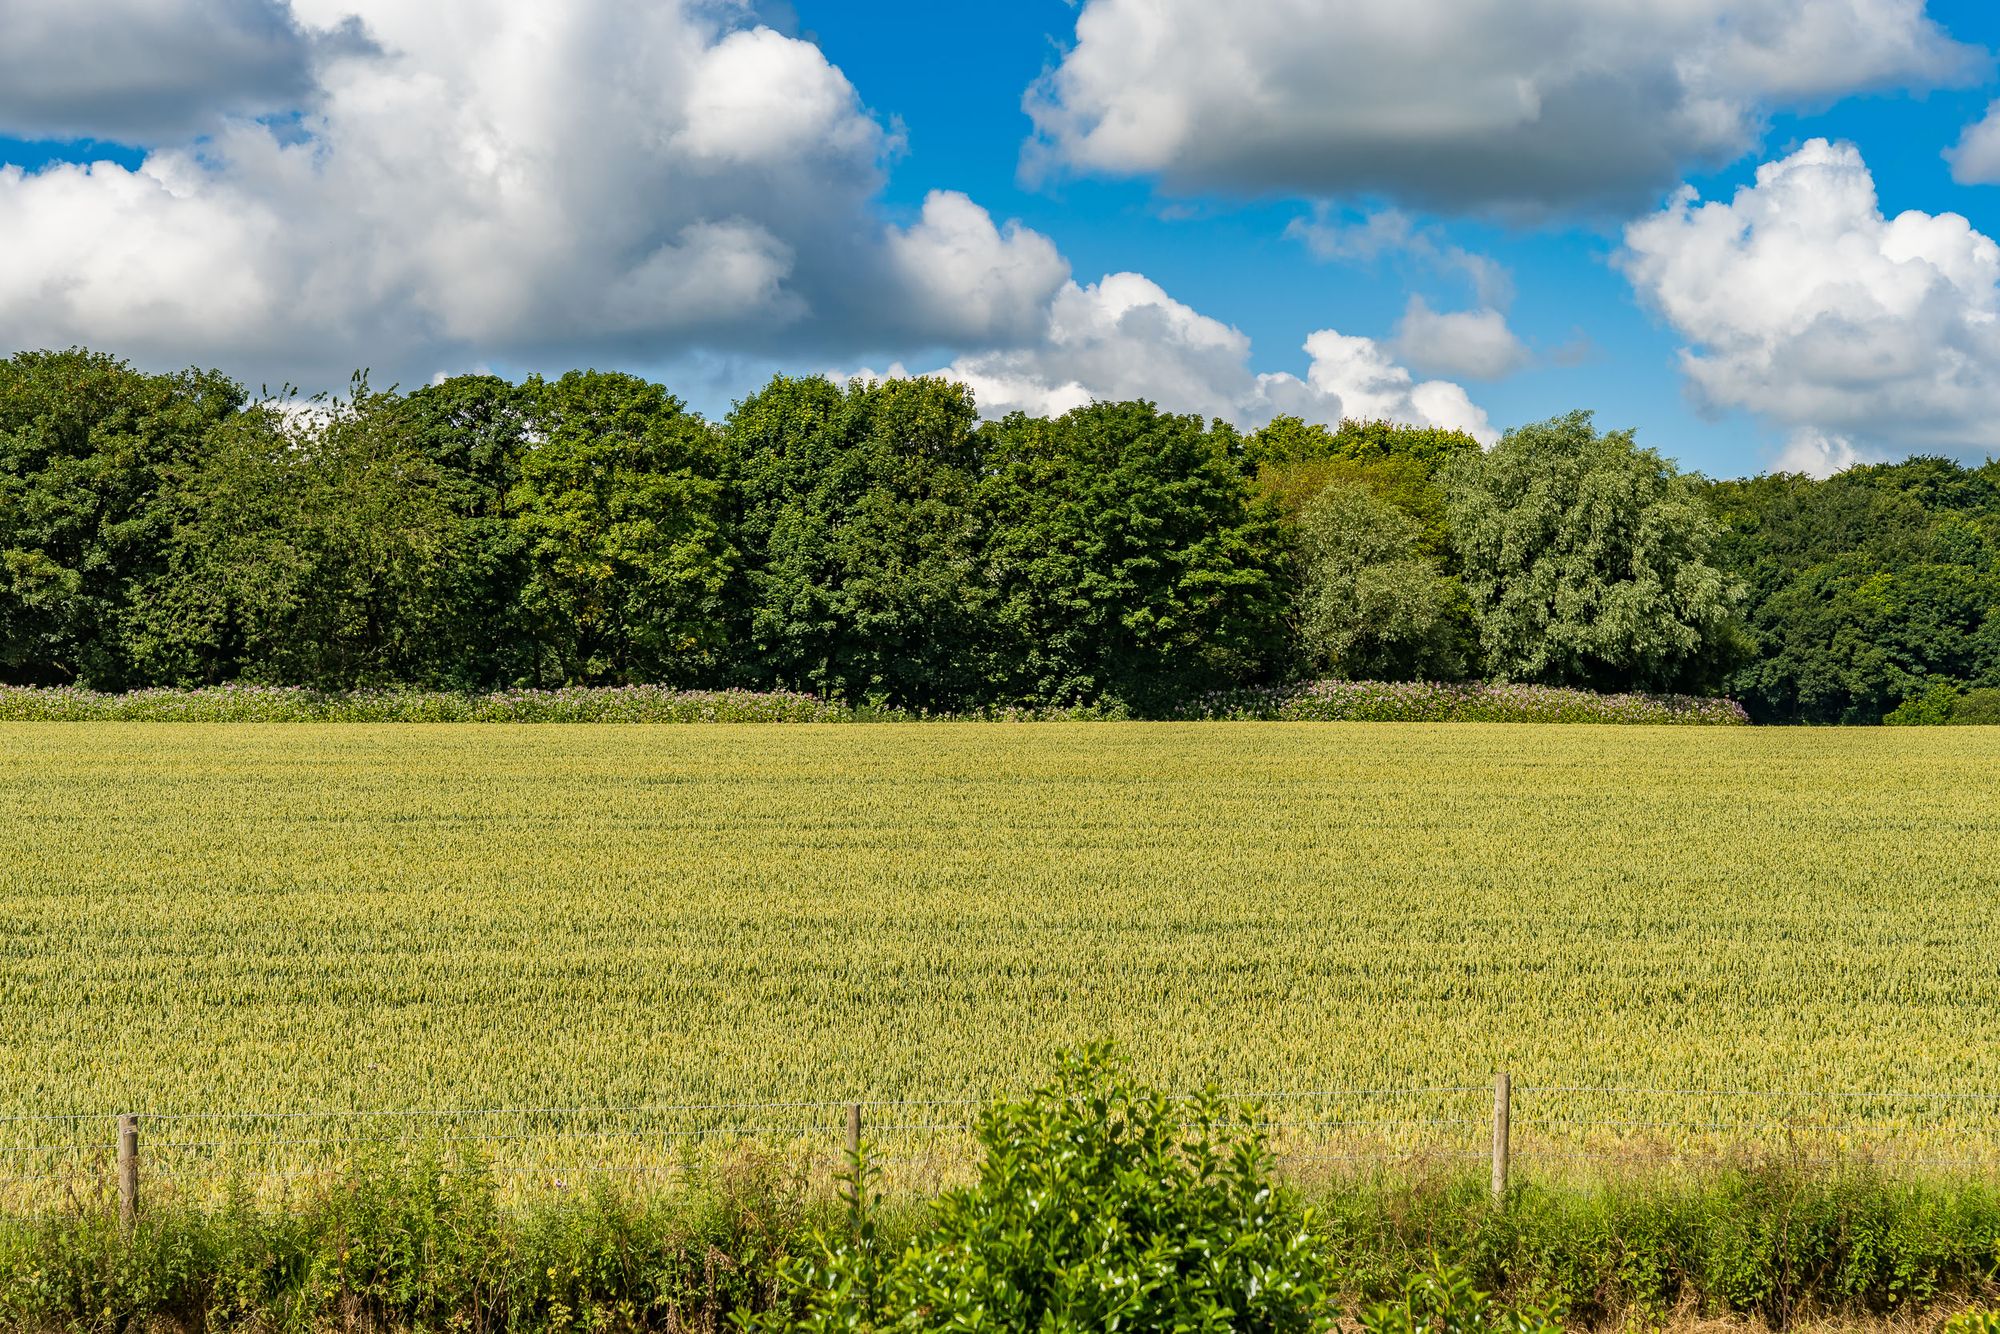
(206, 918)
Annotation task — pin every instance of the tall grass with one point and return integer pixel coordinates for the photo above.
(426, 1244)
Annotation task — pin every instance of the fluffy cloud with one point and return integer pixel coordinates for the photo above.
(972, 280)
(1470, 344)
(1975, 159)
(1818, 455)
(136, 69)
(1523, 105)
(1804, 304)
(507, 180)
(1123, 337)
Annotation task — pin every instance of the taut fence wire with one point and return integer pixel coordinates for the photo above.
(928, 1142)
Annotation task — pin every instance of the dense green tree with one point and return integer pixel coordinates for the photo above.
(1588, 561)
(1295, 460)
(234, 567)
(621, 507)
(1292, 440)
(315, 545)
(1372, 604)
(876, 543)
(862, 540)
(1131, 561)
(88, 445)
(1866, 589)
(474, 430)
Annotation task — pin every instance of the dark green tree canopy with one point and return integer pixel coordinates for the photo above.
(856, 510)
(876, 542)
(1866, 589)
(88, 445)
(620, 504)
(1131, 561)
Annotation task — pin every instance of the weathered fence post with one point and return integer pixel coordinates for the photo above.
(853, 1131)
(1503, 1098)
(128, 1171)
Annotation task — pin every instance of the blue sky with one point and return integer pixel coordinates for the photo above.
(965, 127)
(800, 252)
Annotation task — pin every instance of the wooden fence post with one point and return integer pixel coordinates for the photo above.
(853, 1131)
(1503, 1097)
(128, 1171)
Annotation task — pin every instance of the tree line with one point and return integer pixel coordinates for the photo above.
(878, 543)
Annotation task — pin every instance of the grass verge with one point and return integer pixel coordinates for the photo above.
(426, 1244)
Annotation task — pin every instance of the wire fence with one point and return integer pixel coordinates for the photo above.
(923, 1144)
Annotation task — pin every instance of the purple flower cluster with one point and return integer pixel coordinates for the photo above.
(1320, 701)
(1468, 702)
(290, 704)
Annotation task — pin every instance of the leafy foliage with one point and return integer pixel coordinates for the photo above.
(88, 446)
(1933, 708)
(1099, 1206)
(1442, 1300)
(1370, 605)
(875, 545)
(1867, 590)
(1979, 707)
(1290, 440)
(309, 545)
(1588, 562)
(1128, 559)
(619, 503)
(862, 541)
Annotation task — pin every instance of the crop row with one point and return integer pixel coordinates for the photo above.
(276, 918)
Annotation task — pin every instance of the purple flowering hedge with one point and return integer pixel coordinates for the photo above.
(1321, 701)
(1473, 702)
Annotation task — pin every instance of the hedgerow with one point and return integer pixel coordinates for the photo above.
(1324, 701)
(1474, 702)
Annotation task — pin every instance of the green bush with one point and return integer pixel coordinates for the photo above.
(1945, 704)
(1771, 1241)
(1930, 707)
(422, 1244)
(1099, 1206)
(1443, 1301)
(1978, 707)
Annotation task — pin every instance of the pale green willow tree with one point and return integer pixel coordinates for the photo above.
(1588, 562)
(1372, 606)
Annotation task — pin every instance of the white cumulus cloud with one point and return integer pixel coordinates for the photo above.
(972, 280)
(1801, 302)
(487, 180)
(1124, 337)
(1975, 158)
(1469, 344)
(1510, 105)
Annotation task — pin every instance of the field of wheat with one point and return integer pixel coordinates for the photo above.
(208, 920)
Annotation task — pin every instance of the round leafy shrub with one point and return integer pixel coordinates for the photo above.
(1099, 1206)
